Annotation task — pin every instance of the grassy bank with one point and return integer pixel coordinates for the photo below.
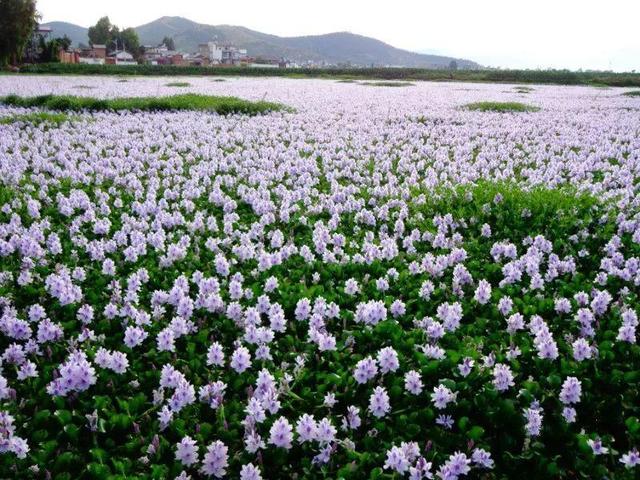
(559, 77)
(221, 105)
(501, 107)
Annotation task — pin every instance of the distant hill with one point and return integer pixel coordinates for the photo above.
(76, 33)
(331, 48)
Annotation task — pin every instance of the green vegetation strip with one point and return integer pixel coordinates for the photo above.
(501, 107)
(178, 84)
(221, 105)
(37, 118)
(388, 84)
(633, 93)
(556, 77)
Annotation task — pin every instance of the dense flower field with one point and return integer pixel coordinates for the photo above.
(379, 284)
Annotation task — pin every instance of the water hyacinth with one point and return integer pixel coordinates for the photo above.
(379, 282)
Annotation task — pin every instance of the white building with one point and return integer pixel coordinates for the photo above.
(211, 51)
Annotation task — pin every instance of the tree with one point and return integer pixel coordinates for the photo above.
(101, 33)
(18, 19)
(169, 43)
(453, 65)
(65, 42)
(49, 51)
(128, 40)
(105, 33)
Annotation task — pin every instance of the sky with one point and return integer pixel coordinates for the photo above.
(575, 34)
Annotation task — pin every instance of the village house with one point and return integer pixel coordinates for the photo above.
(161, 55)
(211, 53)
(94, 55)
(121, 57)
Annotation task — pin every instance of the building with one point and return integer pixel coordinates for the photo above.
(210, 51)
(233, 56)
(99, 51)
(121, 57)
(95, 55)
(161, 55)
(72, 56)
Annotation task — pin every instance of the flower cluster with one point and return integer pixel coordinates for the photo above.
(379, 282)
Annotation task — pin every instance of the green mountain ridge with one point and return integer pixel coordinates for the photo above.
(331, 48)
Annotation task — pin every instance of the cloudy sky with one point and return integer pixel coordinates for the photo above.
(589, 34)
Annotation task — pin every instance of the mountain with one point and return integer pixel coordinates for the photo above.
(76, 33)
(331, 48)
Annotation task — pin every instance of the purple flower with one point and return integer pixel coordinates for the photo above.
(483, 292)
(466, 366)
(250, 472)
(571, 391)
(413, 382)
(379, 402)
(596, 447)
(396, 460)
(281, 433)
(240, 359)
(533, 415)
(216, 460)
(187, 451)
(569, 414)
(365, 370)
(388, 360)
(502, 377)
(445, 420)
(631, 458)
(306, 428)
(482, 458)
(442, 396)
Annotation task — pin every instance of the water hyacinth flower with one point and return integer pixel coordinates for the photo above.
(533, 415)
(240, 359)
(216, 460)
(388, 360)
(596, 447)
(466, 366)
(445, 421)
(581, 350)
(631, 459)
(455, 466)
(571, 391)
(483, 292)
(502, 377)
(413, 382)
(482, 458)
(421, 470)
(166, 341)
(250, 472)
(329, 400)
(442, 396)
(9, 442)
(365, 370)
(352, 418)
(76, 375)
(134, 336)
(396, 460)
(569, 414)
(215, 355)
(281, 433)
(187, 451)
(306, 428)
(379, 402)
